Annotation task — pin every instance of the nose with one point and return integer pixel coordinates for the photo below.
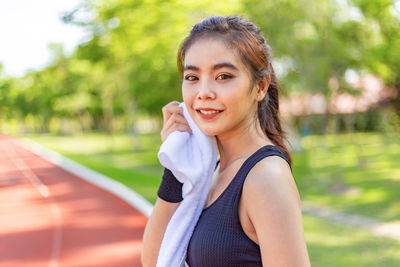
(205, 91)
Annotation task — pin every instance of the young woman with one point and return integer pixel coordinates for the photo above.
(252, 215)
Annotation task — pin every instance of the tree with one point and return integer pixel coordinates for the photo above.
(317, 42)
(382, 56)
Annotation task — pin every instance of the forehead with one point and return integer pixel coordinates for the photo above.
(207, 52)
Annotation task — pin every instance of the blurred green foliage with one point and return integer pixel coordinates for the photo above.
(126, 66)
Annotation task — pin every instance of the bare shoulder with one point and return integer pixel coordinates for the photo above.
(270, 180)
(271, 202)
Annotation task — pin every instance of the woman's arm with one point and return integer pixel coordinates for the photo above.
(155, 229)
(272, 203)
(163, 210)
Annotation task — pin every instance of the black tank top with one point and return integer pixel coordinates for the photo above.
(218, 238)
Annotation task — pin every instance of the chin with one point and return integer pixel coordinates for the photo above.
(209, 131)
(210, 134)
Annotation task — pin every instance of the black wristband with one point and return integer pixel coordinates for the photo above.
(170, 188)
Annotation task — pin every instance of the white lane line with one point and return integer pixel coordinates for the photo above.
(91, 176)
(46, 194)
(20, 164)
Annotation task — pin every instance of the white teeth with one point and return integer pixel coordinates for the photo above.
(207, 112)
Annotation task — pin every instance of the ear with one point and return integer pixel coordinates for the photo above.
(262, 88)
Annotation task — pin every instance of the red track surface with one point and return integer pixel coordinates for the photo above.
(49, 217)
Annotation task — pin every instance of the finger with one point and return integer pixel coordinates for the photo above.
(170, 108)
(177, 117)
(176, 127)
(179, 127)
(173, 127)
(174, 118)
(168, 112)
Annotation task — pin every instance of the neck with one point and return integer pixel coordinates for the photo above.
(240, 143)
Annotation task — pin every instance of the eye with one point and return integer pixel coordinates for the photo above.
(224, 76)
(191, 78)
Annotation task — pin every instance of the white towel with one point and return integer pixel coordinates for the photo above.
(192, 159)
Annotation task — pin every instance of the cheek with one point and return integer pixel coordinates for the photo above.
(187, 94)
(239, 104)
(233, 99)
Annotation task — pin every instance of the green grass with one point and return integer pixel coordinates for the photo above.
(358, 174)
(148, 183)
(336, 245)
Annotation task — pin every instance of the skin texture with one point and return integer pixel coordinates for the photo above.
(154, 231)
(269, 207)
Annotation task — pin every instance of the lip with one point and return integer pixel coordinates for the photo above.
(208, 109)
(208, 116)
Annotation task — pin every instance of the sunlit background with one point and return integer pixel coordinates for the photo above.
(88, 80)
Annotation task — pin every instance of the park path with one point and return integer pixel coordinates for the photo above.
(380, 229)
(50, 217)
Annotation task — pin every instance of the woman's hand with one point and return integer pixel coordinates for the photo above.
(163, 210)
(173, 120)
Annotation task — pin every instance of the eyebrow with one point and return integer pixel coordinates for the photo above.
(215, 67)
(191, 67)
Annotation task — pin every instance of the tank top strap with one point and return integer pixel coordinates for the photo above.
(268, 150)
(265, 151)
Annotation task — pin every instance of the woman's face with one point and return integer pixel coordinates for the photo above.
(216, 88)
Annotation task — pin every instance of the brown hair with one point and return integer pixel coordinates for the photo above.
(246, 38)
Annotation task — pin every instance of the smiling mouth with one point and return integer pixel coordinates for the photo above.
(208, 112)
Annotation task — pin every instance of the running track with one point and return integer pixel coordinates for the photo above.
(49, 217)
